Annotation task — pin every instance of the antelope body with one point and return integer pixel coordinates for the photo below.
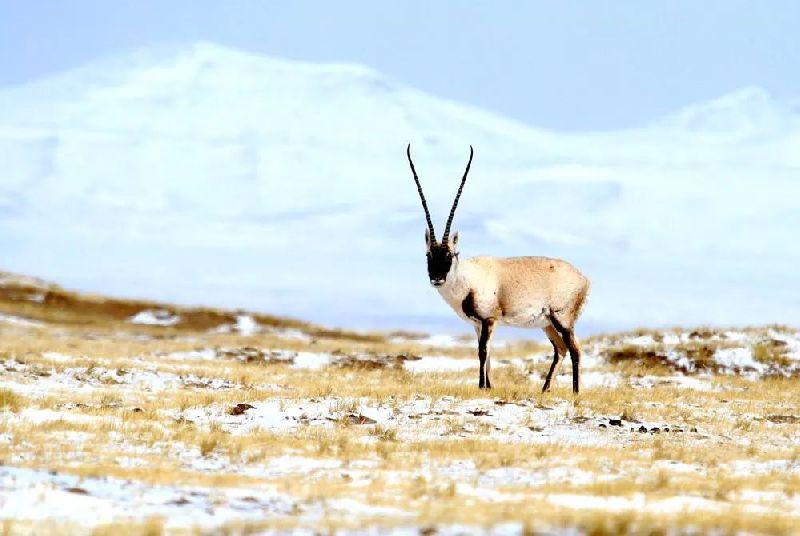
(525, 292)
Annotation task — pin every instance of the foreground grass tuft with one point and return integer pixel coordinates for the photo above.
(10, 401)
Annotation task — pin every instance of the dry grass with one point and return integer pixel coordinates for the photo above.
(51, 304)
(121, 406)
(10, 400)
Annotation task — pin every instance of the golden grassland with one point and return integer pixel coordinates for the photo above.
(84, 392)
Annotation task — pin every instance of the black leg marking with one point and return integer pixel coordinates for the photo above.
(553, 367)
(483, 354)
(575, 357)
(574, 352)
(556, 324)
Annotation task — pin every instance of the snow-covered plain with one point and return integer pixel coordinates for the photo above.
(200, 173)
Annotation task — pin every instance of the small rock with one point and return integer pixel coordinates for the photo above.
(615, 422)
(535, 429)
(479, 412)
(655, 430)
(239, 409)
(603, 425)
(643, 429)
(357, 418)
(137, 410)
(79, 491)
(694, 429)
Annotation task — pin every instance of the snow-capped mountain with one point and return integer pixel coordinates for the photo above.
(746, 113)
(208, 175)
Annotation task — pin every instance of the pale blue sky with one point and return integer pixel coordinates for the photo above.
(561, 65)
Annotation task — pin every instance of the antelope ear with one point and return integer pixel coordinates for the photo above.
(454, 242)
(428, 239)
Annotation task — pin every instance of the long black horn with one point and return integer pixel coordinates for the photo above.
(421, 195)
(455, 202)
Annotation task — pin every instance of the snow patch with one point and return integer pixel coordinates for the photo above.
(203, 354)
(440, 364)
(591, 379)
(791, 341)
(637, 501)
(19, 321)
(733, 360)
(27, 494)
(308, 360)
(155, 317)
(684, 382)
(642, 340)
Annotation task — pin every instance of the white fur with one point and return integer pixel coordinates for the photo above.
(456, 287)
(460, 281)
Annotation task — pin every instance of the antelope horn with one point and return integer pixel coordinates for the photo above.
(421, 196)
(455, 202)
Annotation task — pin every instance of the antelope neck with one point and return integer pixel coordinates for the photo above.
(456, 286)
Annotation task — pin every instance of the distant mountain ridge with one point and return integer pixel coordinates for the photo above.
(747, 111)
(203, 174)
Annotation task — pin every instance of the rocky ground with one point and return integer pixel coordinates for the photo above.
(120, 417)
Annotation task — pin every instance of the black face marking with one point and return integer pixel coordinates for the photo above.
(440, 259)
(468, 306)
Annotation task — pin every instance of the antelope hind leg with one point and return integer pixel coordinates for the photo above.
(559, 351)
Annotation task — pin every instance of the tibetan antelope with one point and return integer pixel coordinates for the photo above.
(526, 292)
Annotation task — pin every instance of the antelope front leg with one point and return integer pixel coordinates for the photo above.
(484, 340)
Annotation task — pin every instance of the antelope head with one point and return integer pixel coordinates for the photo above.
(442, 256)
